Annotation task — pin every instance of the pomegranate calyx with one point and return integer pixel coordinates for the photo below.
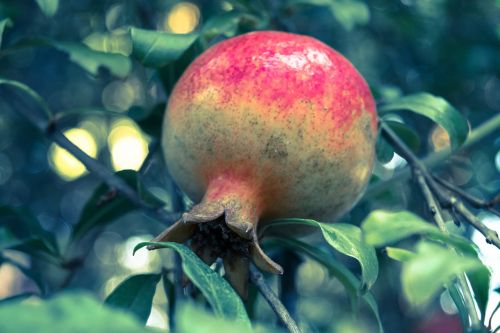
(216, 230)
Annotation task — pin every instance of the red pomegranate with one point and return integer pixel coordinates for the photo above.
(261, 126)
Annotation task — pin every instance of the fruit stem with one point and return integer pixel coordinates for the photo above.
(273, 300)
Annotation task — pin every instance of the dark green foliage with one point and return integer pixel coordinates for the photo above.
(107, 205)
(92, 64)
(223, 299)
(135, 295)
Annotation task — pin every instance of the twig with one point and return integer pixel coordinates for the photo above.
(425, 180)
(432, 160)
(273, 300)
(474, 201)
(437, 215)
(454, 202)
(446, 197)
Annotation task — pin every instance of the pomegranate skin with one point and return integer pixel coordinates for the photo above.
(273, 125)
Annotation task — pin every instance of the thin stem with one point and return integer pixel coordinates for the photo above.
(425, 180)
(450, 200)
(107, 176)
(435, 159)
(472, 200)
(437, 214)
(273, 300)
(446, 197)
(433, 205)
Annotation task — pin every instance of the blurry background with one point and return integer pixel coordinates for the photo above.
(450, 48)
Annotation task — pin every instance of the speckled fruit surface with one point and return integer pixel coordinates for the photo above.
(270, 125)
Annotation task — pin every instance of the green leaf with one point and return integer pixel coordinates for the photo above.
(193, 319)
(384, 150)
(458, 299)
(221, 296)
(48, 7)
(85, 57)
(30, 92)
(67, 312)
(110, 42)
(345, 238)
(26, 234)
(399, 254)
(91, 60)
(349, 13)
(405, 133)
(105, 205)
(432, 267)
(37, 248)
(150, 121)
(480, 283)
(334, 266)
(170, 73)
(382, 227)
(135, 295)
(337, 269)
(157, 48)
(226, 24)
(435, 108)
(4, 24)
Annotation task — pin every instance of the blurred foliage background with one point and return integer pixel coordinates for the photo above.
(450, 48)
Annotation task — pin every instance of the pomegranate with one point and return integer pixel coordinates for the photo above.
(261, 126)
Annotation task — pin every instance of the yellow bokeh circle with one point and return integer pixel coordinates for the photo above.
(127, 145)
(182, 18)
(63, 163)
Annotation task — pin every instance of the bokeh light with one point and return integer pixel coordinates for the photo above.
(117, 41)
(157, 319)
(128, 146)
(311, 277)
(439, 138)
(396, 162)
(63, 163)
(182, 18)
(142, 260)
(227, 6)
(119, 95)
(497, 161)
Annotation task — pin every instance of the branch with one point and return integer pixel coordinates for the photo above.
(48, 127)
(432, 160)
(474, 201)
(428, 186)
(273, 300)
(447, 198)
